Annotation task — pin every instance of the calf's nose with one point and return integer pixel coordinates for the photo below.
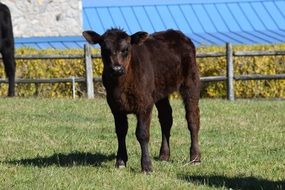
(118, 69)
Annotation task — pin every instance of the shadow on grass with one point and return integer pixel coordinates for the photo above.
(66, 160)
(242, 183)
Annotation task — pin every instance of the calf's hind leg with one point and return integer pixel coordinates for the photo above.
(190, 93)
(165, 120)
(9, 64)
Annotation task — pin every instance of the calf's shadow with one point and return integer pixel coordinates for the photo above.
(242, 183)
(65, 160)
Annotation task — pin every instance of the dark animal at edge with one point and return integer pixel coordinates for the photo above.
(141, 71)
(7, 48)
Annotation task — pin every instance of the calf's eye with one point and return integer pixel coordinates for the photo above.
(124, 51)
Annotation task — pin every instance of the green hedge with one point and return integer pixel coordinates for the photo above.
(63, 68)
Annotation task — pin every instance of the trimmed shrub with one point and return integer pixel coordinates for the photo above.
(50, 68)
(266, 65)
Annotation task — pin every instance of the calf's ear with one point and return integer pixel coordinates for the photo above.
(139, 38)
(91, 37)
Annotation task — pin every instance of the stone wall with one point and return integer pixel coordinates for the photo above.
(45, 17)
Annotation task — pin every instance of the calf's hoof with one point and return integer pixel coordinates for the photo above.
(164, 157)
(147, 171)
(120, 164)
(195, 160)
(147, 167)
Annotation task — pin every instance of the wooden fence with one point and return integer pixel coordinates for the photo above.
(89, 80)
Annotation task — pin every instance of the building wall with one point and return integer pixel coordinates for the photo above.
(45, 17)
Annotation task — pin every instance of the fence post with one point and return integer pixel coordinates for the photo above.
(73, 86)
(88, 71)
(230, 72)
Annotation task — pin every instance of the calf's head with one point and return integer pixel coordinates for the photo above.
(116, 47)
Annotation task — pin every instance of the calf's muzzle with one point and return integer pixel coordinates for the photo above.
(118, 69)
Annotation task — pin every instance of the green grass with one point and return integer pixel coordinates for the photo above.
(71, 144)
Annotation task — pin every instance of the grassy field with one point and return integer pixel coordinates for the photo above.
(71, 144)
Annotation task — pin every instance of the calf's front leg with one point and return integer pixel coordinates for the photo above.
(121, 124)
(142, 134)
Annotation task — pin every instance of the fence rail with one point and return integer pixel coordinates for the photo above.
(27, 57)
(258, 53)
(88, 79)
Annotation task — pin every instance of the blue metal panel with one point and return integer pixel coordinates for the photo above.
(179, 18)
(143, 19)
(131, 20)
(57, 45)
(155, 17)
(208, 22)
(203, 18)
(193, 21)
(265, 18)
(51, 42)
(228, 18)
(216, 18)
(104, 18)
(110, 3)
(118, 19)
(93, 20)
(275, 14)
(170, 18)
(240, 17)
(280, 5)
(251, 17)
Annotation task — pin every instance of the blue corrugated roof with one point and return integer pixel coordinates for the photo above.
(205, 21)
(209, 22)
(51, 42)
